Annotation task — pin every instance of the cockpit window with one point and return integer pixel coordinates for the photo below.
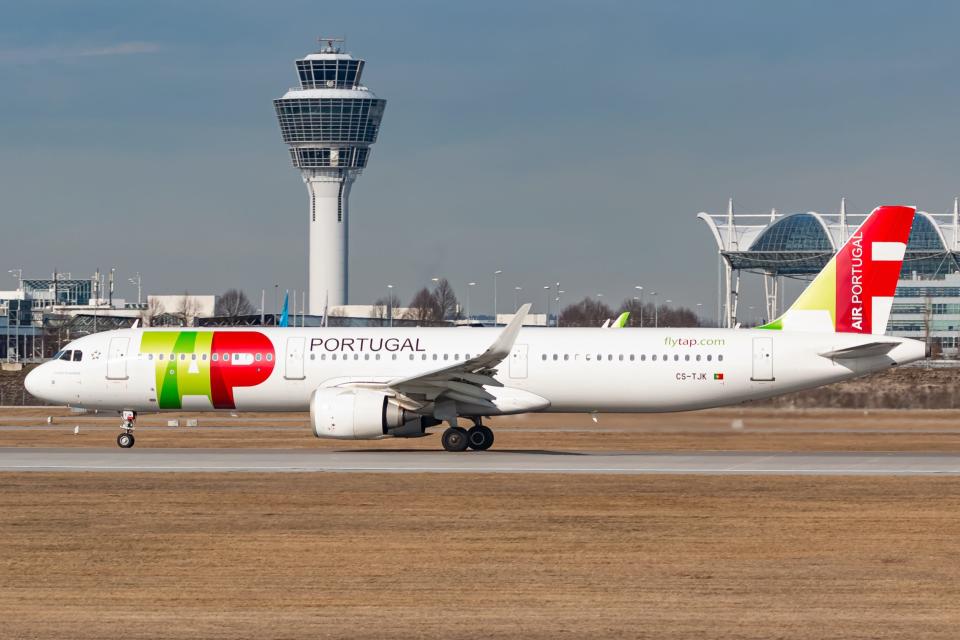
(57, 355)
(66, 355)
(77, 355)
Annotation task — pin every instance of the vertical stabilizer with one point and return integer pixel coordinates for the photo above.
(854, 292)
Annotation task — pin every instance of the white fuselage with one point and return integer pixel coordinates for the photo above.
(573, 370)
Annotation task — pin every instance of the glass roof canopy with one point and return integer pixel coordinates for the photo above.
(801, 244)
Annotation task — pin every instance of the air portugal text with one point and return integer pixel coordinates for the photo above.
(365, 344)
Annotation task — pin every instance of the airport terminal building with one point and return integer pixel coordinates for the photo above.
(799, 245)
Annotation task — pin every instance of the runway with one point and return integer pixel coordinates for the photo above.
(366, 461)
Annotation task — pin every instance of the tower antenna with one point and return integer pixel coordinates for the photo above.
(330, 40)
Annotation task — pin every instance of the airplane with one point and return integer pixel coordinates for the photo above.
(378, 382)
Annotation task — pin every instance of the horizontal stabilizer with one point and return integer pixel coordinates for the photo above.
(868, 350)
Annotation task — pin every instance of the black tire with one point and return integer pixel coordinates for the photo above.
(455, 439)
(480, 438)
(125, 440)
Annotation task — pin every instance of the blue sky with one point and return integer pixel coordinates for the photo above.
(555, 141)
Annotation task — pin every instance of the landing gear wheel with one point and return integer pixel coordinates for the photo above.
(125, 440)
(455, 439)
(480, 438)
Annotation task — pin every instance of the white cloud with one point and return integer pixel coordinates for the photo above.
(28, 55)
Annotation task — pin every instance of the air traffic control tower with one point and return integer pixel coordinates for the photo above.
(329, 121)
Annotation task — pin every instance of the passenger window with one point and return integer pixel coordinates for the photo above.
(149, 356)
(599, 357)
(566, 357)
(193, 356)
(665, 357)
(621, 357)
(543, 357)
(676, 357)
(555, 357)
(215, 357)
(77, 356)
(323, 356)
(424, 357)
(313, 356)
(394, 356)
(269, 357)
(610, 357)
(203, 357)
(434, 356)
(446, 356)
(654, 357)
(631, 357)
(720, 358)
(160, 356)
(687, 357)
(643, 357)
(709, 358)
(356, 356)
(333, 356)
(378, 356)
(183, 356)
(698, 357)
(366, 356)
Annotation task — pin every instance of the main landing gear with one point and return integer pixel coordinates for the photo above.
(126, 440)
(478, 438)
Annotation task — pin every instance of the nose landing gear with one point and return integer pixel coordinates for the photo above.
(126, 440)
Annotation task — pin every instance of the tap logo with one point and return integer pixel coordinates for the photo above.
(208, 364)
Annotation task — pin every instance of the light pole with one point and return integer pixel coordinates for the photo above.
(516, 297)
(495, 274)
(546, 321)
(276, 294)
(390, 304)
(640, 289)
(136, 280)
(470, 286)
(18, 274)
(699, 310)
(560, 292)
(656, 310)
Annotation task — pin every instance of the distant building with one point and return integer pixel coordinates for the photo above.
(799, 245)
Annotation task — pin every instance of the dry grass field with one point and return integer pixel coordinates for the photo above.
(540, 556)
(734, 429)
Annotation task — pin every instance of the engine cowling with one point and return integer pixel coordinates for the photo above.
(358, 414)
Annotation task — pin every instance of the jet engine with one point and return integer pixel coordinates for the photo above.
(362, 414)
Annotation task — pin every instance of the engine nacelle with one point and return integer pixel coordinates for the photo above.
(357, 414)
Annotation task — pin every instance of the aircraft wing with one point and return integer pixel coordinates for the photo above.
(867, 350)
(464, 381)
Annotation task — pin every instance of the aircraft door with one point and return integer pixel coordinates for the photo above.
(762, 359)
(518, 361)
(293, 369)
(117, 358)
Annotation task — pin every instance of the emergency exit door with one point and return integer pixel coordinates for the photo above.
(762, 359)
(518, 361)
(293, 369)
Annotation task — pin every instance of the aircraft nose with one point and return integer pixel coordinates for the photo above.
(34, 382)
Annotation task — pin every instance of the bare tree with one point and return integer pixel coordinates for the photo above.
(152, 310)
(187, 309)
(424, 308)
(384, 307)
(233, 304)
(446, 300)
(586, 313)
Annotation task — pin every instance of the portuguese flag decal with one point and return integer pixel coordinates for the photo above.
(718, 376)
